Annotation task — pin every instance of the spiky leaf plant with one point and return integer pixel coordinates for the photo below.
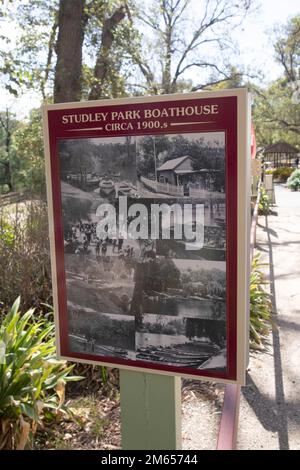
(260, 304)
(32, 380)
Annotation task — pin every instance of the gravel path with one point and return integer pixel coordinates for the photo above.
(270, 404)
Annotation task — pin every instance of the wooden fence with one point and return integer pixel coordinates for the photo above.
(13, 198)
(173, 190)
(165, 188)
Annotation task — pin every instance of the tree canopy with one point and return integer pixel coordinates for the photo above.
(68, 50)
(277, 108)
(110, 48)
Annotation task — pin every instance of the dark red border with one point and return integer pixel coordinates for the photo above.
(226, 121)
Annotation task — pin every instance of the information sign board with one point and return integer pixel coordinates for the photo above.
(149, 214)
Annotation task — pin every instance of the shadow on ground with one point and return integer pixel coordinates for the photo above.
(272, 414)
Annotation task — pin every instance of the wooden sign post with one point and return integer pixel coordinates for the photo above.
(150, 411)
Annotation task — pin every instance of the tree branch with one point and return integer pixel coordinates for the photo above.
(215, 18)
(51, 46)
(290, 127)
(216, 82)
(107, 38)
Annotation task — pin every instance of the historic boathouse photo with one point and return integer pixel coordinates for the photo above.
(145, 298)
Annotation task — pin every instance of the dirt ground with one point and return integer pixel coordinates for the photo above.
(96, 421)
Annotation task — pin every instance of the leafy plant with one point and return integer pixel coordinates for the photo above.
(32, 380)
(282, 174)
(260, 304)
(7, 234)
(264, 203)
(294, 181)
(24, 254)
(27, 142)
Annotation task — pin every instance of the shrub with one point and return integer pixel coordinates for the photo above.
(24, 254)
(32, 380)
(264, 203)
(260, 304)
(282, 174)
(294, 181)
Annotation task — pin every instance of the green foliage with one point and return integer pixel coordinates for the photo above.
(8, 125)
(22, 153)
(119, 62)
(29, 64)
(235, 80)
(32, 63)
(260, 304)
(7, 235)
(276, 109)
(264, 203)
(287, 47)
(294, 181)
(32, 380)
(29, 150)
(151, 50)
(173, 42)
(276, 116)
(282, 174)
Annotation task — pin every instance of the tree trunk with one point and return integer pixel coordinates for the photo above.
(102, 63)
(71, 23)
(166, 75)
(8, 176)
(6, 125)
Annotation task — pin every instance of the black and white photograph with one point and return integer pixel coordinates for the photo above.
(191, 165)
(140, 295)
(99, 271)
(182, 313)
(189, 168)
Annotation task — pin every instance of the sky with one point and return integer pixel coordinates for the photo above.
(254, 40)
